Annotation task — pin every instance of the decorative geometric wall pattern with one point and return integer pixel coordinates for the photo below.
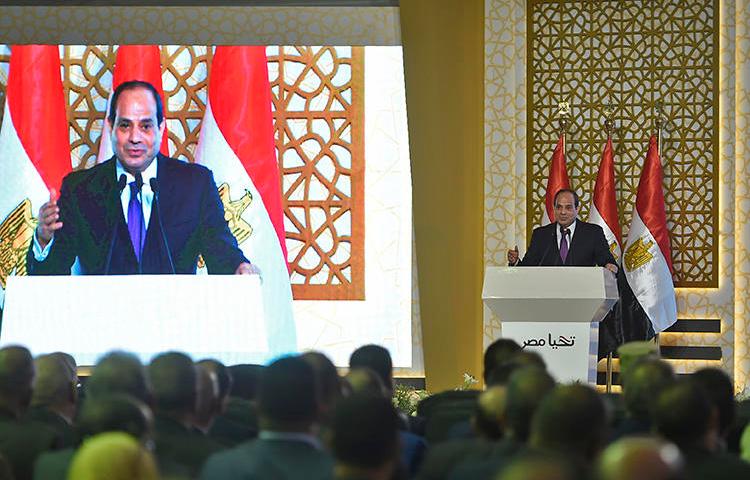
(317, 97)
(634, 55)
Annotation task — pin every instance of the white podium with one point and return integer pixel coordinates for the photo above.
(218, 316)
(554, 311)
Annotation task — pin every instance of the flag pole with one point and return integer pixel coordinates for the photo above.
(563, 112)
(608, 126)
(659, 125)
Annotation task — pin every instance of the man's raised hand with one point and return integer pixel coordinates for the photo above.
(49, 220)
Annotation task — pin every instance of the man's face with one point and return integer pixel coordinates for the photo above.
(136, 134)
(565, 209)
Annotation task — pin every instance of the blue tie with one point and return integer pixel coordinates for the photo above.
(136, 225)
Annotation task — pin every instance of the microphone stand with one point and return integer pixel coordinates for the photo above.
(121, 182)
(155, 188)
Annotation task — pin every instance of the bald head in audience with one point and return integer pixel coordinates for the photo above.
(641, 458)
(16, 379)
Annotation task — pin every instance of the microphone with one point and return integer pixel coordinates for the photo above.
(121, 182)
(155, 188)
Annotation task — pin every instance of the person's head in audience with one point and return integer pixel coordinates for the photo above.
(16, 379)
(499, 352)
(327, 381)
(55, 386)
(489, 418)
(119, 372)
(112, 456)
(643, 383)
(640, 458)
(376, 358)
(365, 381)
(365, 437)
(684, 415)
(117, 412)
(223, 377)
(173, 378)
(571, 420)
(245, 380)
(287, 399)
(207, 399)
(537, 467)
(526, 389)
(720, 390)
(519, 359)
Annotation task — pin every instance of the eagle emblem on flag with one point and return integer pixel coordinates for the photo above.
(16, 231)
(637, 254)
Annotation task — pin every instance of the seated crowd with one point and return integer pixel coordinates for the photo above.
(297, 418)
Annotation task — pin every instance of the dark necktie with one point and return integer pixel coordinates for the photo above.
(564, 243)
(136, 225)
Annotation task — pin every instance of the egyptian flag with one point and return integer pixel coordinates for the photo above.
(647, 260)
(556, 181)
(603, 212)
(34, 150)
(237, 144)
(133, 62)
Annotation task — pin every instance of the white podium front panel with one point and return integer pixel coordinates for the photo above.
(565, 347)
(554, 311)
(219, 316)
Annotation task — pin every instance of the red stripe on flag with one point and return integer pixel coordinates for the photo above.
(141, 62)
(37, 106)
(240, 98)
(604, 191)
(650, 200)
(557, 179)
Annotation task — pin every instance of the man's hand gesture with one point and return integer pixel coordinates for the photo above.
(49, 216)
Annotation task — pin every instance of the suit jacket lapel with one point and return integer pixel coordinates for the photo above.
(574, 241)
(555, 246)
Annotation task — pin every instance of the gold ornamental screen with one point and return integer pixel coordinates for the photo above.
(318, 97)
(641, 57)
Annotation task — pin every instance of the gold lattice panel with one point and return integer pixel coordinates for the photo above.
(634, 55)
(317, 95)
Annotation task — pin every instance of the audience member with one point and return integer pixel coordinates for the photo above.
(497, 354)
(112, 456)
(526, 389)
(684, 415)
(206, 399)
(377, 359)
(119, 372)
(365, 382)
(640, 387)
(571, 421)
(365, 438)
(327, 382)
(180, 448)
(640, 458)
(286, 446)
(21, 440)
(225, 429)
(720, 390)
(535, 466)
(105, 413)
(242, 406)
(55, 396)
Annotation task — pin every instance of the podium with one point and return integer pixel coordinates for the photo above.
(554, 311)
(217, 316)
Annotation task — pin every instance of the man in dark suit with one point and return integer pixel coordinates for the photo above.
(55, 396)
(21, 440)
(138, 212)
(286, 447)
(566, 242)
